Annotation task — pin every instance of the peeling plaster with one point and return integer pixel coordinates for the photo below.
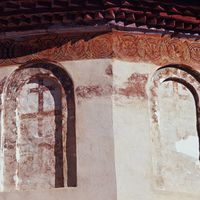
(188, 146)
(102, 169)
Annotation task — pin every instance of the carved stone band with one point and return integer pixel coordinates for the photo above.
(137, 47)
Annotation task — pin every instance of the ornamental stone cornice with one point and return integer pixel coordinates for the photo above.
(127, 46)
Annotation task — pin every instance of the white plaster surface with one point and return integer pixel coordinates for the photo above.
(189, 146)
(95, 142)
(116, 144)
(134, 144)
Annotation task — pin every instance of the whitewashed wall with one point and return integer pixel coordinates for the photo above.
(94, 132)
(117, 153)
(145, 168)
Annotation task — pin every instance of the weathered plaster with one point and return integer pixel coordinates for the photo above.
(129, 123)
(148, 165)
(95, 144)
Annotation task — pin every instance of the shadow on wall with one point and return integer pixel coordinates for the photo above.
(172, 91)
(183, 75)
(53, 79)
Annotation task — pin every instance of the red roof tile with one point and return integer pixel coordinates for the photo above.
(177, 16)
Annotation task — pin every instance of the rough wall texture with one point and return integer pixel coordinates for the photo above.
(137, 122)
(174, 100)
(156, 134)
(30, 132)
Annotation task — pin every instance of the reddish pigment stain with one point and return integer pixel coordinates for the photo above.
(135, 86)
(89, 91)
(2, 82)
(109, 71)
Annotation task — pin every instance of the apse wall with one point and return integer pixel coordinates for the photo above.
(155, 119)
(136, 132)
(94, 140)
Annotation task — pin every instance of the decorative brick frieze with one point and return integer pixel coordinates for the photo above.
(136, 47)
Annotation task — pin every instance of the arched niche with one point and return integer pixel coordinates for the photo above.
(38, 140)
(172, 169)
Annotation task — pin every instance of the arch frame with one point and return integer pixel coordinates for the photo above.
(181, 74)
(14, 82)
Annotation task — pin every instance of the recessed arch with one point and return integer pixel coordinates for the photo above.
(190, 79)
(33, 72)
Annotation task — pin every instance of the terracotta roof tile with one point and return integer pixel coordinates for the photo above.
(38, 14)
